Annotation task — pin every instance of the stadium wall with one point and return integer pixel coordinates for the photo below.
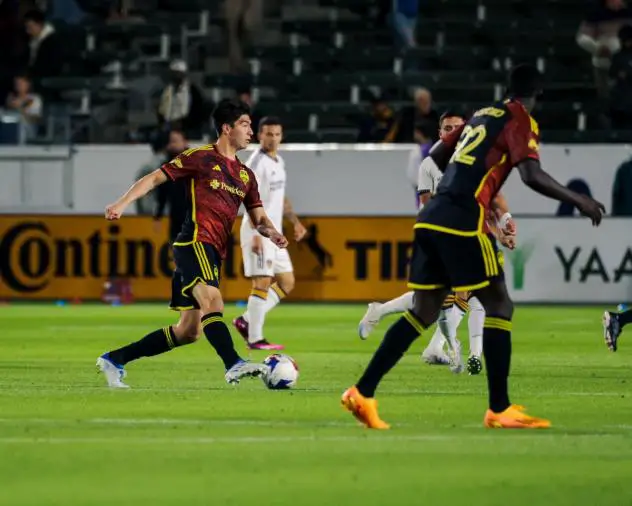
(559, 260)
(324, 180)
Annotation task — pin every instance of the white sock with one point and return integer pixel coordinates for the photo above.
(456, 316)
(397, 305)
(441, 332)
(256, 314)
(275, 295)
(475, 323)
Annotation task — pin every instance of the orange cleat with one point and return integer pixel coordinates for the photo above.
(363, 408)
(514, 417)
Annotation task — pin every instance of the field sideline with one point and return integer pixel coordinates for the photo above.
(181, 436)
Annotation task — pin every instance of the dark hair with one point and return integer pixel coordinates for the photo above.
(269, 121)
(228, 111)
(158, 141)
(525, 81)
(36, 16)
(452, 113)
(176, 131)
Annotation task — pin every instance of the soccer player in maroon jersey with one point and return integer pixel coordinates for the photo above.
(217, 183)
(453, 250)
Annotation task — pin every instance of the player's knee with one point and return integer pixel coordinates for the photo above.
(209, 299)
(261, 283)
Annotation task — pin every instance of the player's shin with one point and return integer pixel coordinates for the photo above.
(218, 335)
(497, 351)
(397, 340)
(398, 305)
(475, 324)
(154, 343)
(275, 296)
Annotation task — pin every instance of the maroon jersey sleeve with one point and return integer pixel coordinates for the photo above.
(186, 164)
(522, 135)
(252, 198)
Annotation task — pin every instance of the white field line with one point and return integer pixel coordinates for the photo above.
(277, 439)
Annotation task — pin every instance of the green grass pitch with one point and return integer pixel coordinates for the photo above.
(181, 436)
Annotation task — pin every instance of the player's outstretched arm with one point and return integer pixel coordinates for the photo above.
(139, 189)
(540, 181)
(265, 227)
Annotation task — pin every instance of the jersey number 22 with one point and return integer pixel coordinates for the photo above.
(470, 139)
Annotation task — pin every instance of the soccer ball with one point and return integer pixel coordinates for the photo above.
(282, 372)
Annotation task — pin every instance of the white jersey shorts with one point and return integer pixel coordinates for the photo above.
(272, 261)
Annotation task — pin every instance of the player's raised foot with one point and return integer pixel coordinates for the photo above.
(435, 357)
(241, 325)
(113, 372)
(514, 417)
(456, 360)
(611, 329)
(474, 365)
(264, 345)
(370, 319)
(363, 408)
(244, 369)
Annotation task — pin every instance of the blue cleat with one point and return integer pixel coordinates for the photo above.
(113, 372)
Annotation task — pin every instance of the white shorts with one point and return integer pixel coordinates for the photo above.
(271, 262)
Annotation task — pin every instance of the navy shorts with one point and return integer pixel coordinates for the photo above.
(197, 262)
(460, 263)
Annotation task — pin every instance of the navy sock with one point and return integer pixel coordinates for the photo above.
(397, 340)
(497, 352)
(154, 343)
(219, 336)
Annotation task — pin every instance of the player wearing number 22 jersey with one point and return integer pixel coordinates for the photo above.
(453, 249)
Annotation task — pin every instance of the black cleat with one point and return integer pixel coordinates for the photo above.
(611, 329)
(474, 365)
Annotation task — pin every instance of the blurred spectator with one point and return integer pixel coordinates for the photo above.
(182, 105)
(45, 50)
(404, 18)
(408, 117)
(27, 104)
(243, 17)
(622, 190)
(423, 138)
(621, 73)
(173, 193)
(375, 126)
(245, 95)
(598, 35)
(147, 205)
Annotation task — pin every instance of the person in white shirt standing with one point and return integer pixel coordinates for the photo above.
(263, 261)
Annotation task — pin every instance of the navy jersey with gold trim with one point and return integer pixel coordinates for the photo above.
(492, 142)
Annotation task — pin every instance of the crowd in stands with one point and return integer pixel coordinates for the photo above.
(34, 51)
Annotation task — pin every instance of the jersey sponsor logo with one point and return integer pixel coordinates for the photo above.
(215, 184)
(243, 175)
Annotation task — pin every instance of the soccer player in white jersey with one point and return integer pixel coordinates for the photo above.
(455, 305)
(263, 261)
